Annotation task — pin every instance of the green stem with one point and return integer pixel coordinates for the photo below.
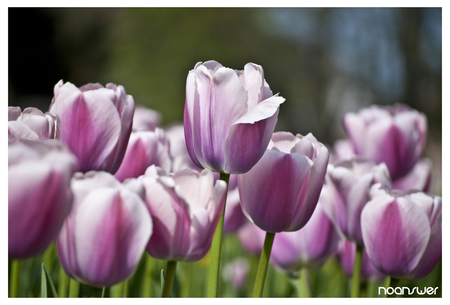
(216, 249)
(357, 272)
(15, 279)
(170, 275)
(394, 284)
(63, 284)
(185, 285)
(263, 265)
(74, 289)
(147, 281)
(116, 291)
(304, 290)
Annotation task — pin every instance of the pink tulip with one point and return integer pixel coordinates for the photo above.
(185, 207)
(146, 119)
(346, 192)
(104, 237)
(402, 232)
(145, 148)
(346, 254)
(308, 247)
(229, 116)
(39, 196)
(95, 123)
(236, 272)
(281, 191)
(32, 124)
(394, 135)
(418, 178)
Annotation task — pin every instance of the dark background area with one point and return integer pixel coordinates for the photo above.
(324, 61)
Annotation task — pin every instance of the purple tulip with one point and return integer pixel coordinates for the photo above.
(144, 149)
(185, 207)
(145, 119)
(39, 196)
(95, 123)
(236, 272)
(281, 191)
(418, 178)
(229, 116)
(308, 247)
(251, 238)
(32, 124)
(105, 235)
(234, 217)
(402, 232)
(346, 192)
(394, 135)
(346, 255)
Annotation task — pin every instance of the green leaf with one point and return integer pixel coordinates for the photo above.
(43, 283)
(162, 279)
(52, 286)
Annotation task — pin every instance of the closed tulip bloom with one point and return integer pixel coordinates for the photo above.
(402, 232)
(32, 124)
(146, 119)
(347, 191)
(95, 123)
(308, 247)
(104, 237)
(185, 207)
(145, 148)
(394, 135)
(281, 191)
(39, 195)
(229, 116)
(346, 254)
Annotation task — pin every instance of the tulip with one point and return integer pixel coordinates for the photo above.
(229, 116)
(234, 217)
(308, 247)
(281, 191)
(342, 150)
(251, 238)
(95, 123)
(402, 232)
(394, 135)
(185, 207)
(346, 254)
(32, 124)
(104, 237)
(418, 178)
(39, 196)
(144, 149)
(145, 119)
(346, 192)
(236, 272)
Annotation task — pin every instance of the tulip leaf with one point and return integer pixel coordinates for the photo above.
(45, 275)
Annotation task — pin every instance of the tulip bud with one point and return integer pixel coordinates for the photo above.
(32, 124)
(229, 116)
(95, 123)
(281, 191)
(146, 119)
(39, 196)
(402, 232)
(346, 192)
(104, 237)
(144, 149)
(185, 207)
(394, 135)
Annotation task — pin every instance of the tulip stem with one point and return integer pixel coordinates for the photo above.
(357, 272)
(15, 279)
(147, 281)
(74, 289)
(393, 284)
(63, 283)
(263, 265)
(168, 281)
(216, 249)
(304, 290)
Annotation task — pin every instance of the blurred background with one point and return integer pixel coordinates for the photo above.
(324, 61)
